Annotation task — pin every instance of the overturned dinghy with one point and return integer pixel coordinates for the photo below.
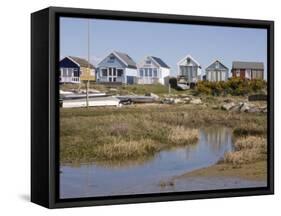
(70, 96)
(136, 99)
(93, 102)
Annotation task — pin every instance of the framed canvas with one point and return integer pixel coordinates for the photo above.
(139, 107)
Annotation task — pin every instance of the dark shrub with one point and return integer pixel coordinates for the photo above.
(233, 86)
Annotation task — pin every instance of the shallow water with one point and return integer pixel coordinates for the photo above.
(138, 177)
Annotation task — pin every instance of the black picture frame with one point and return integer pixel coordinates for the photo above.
(45, 106)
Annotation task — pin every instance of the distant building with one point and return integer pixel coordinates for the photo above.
(75, 69)
(117, 67)
(247, 70)
(217, 72)
(152, 70)
(189, 69)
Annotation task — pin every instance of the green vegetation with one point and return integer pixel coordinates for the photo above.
(233, 86)
(123, 89)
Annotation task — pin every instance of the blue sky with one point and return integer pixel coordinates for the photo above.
(170, 42)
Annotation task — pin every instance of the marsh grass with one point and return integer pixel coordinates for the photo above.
(183, 136)
(253, 128)
(126, 149)
(247, 150)
(135, 132)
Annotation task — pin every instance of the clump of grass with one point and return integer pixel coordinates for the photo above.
(250, 128)
(247, 150)
(183, 136)
(251, 142)
(121, 149)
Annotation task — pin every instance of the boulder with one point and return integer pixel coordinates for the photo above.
(244, 107)
(196, 101)
(228, 106)
(168, 101)
(187, 99)
(254, 109)
(235, 108)
(178, 101)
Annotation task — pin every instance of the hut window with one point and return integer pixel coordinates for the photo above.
(155, 72)
(75, 71)
(148, 62)
(64, 71)
(111, 59)
(119, 72)
(104, 72)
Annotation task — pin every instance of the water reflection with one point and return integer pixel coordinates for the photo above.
(137, 177)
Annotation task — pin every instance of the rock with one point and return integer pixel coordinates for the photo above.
(228, 106)
(196, 101)
(254, 109)
(168, 101)
(179, 101)
(263, 109)
(235, 108)
(186, 100)
(244, 107)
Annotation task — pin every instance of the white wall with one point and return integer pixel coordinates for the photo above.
(164, 73)
(15, 108)
(131, 72)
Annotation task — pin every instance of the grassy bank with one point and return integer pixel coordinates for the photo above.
(131, 133)
(123, 89)
(139, 131)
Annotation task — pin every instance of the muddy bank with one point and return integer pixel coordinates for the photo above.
(255, 171)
